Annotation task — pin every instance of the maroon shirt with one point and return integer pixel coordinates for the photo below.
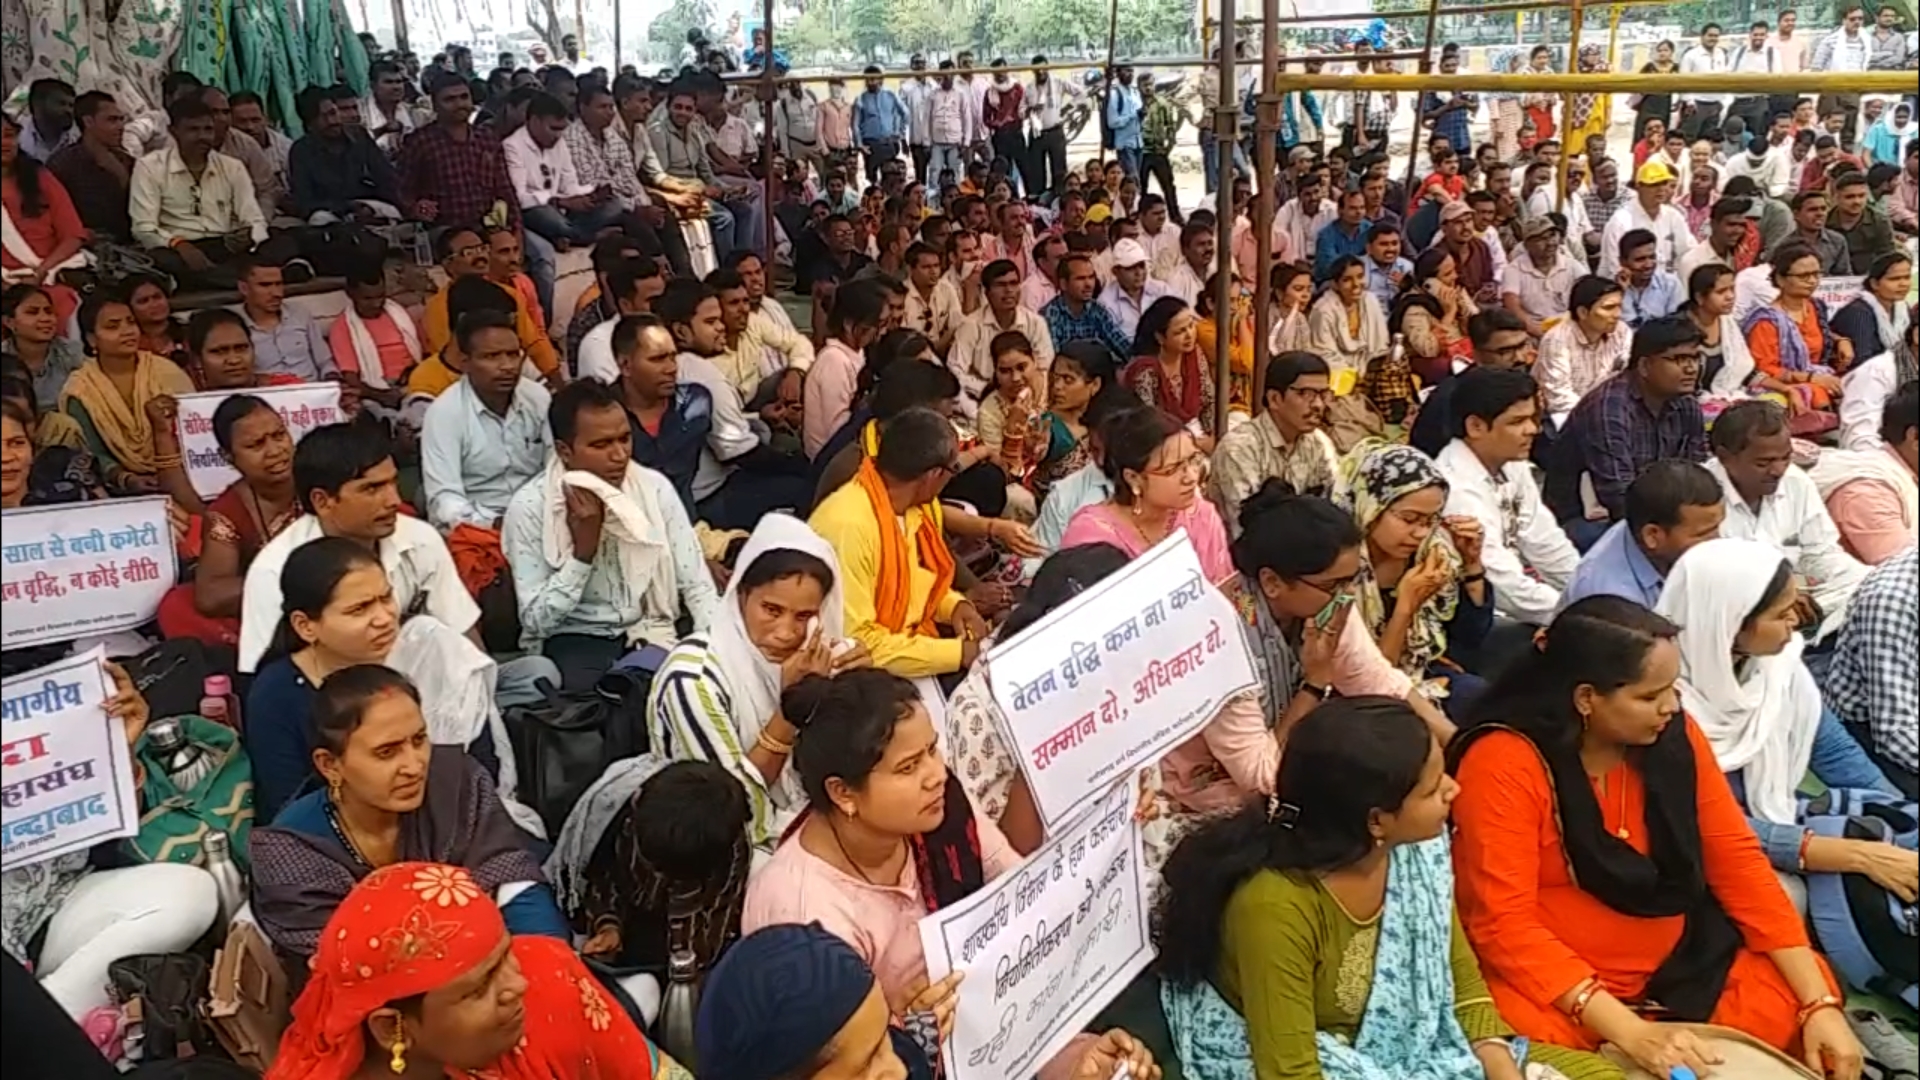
(463, 177)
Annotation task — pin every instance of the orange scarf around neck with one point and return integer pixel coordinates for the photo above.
(894, 589)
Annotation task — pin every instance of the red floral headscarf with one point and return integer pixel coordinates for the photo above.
(410, 928)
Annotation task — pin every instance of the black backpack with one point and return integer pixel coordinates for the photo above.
(563, 744)
(172, 675)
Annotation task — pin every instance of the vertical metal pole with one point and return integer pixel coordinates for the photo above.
(1566, 110)
(1266, 129)
(579, 23)
(1419, 99)
(768, 89)
(1226, 130)
(399, 26)
(1106, 85)
(616, 38)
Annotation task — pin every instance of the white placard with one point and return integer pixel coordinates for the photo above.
(1046, 946)
(1838, 292)
(84, 568)
(304, 406)
(66, 775)
(1117, 676)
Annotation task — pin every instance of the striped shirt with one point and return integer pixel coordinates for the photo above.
(691, 717)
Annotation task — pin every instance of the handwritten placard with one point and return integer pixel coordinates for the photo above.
(66, 775)
(304, 406)
(84, 568)
(1838, 292)
(1116, 677)
(1045, 946)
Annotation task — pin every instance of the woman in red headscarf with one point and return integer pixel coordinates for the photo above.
(416, 977)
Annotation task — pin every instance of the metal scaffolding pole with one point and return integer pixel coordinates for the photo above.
(1419, 99)
(1804, 83)
(1226, 130)
(1266, 130)
(1567, 149)
(768, 151)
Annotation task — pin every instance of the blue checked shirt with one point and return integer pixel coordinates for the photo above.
(1611, 436)
(1874, 682)
(1094, 323)
(1453, 124)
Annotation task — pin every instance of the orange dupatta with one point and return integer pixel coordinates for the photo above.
(894, 589)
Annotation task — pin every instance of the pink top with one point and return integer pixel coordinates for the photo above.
(1874, 520)
(881, 922)
(828, 398)
(1236, 753)
(1246, 252)
(395, 358)
(1103, 523)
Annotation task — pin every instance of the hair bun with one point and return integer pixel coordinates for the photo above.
(801, 702)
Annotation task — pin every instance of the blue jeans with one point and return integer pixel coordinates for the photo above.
(1210, 160)
(578, 227)
(1130, 157)
(1838, 762)
(743, 200)
(943, 158)
(539, 256)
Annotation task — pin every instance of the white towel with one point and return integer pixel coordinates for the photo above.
(633, 523)
(16, 245)
(364, 350)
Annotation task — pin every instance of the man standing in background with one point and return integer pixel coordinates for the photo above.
(916, 92)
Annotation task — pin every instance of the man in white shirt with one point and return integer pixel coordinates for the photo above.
(1651, 209)
(916, 94)
(630, 289)
(1160, 239)
(1045, 100)
(1846, 49)
(385, 111)
(194, 208)
(1769, 498)
(796, 123)
(971, 357)
(347, 486)
(1528, 559)
(1131, 291)
(1197, 253)
(487, 434)
(1304, 215)
(1755, 56)
(950, 119)
(1724, 235)
(1767, 159)
(933, 304)
(553, 201)
(1701, 112)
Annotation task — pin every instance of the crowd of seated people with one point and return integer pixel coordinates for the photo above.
(1488, 748)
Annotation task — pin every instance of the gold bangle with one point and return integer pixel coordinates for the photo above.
(772, 745)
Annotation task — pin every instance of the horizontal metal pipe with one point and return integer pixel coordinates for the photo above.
(1853, 82)
(896, 74)
(1467, 9)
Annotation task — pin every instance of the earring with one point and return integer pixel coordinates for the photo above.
(333, 792)
(398, 1065)
(1136, 502)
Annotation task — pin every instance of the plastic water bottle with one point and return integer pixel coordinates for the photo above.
(185, 763)
(1397, 353)
(422, 246)
(227, 878)
(217, 703)
(677, 1009)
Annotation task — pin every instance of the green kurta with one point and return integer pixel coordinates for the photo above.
(1294, 963)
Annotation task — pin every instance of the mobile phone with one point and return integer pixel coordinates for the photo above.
(1332, 611)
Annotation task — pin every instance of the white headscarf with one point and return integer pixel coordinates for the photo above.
(1760, 717)
(752, 679)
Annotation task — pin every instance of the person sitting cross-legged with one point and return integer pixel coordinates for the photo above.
(338, 173)
(462, 252)
(553, 201)
(193, 207)
(604, 556)
(898, 578)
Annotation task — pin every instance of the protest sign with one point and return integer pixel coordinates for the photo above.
(304, 406)
(1838, 292)
(1046, 946)
(1114, 678)
(67, 771)
(84, 568)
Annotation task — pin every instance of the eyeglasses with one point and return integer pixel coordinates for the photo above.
(1196, 464)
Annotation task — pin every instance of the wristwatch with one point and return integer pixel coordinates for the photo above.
(1321, 693)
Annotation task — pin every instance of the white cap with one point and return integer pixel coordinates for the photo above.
(1129, 253)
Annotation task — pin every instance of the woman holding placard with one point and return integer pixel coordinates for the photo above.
(890, 836)
(1314, 932)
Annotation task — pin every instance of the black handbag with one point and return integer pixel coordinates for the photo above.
(172, 991)
(563, 744)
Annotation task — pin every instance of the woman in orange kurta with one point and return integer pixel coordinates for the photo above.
(1599, 778)
(1789, 338)
(44, 230)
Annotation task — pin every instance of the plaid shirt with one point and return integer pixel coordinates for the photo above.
(1161, 126)
(1374, 110)
(466, 179)
(1611, 436)
(1452, 125)
(1600, 208)
(1874, 682)
(1094, 323)
(604, 159)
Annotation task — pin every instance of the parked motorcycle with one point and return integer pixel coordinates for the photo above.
(1075, 116)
